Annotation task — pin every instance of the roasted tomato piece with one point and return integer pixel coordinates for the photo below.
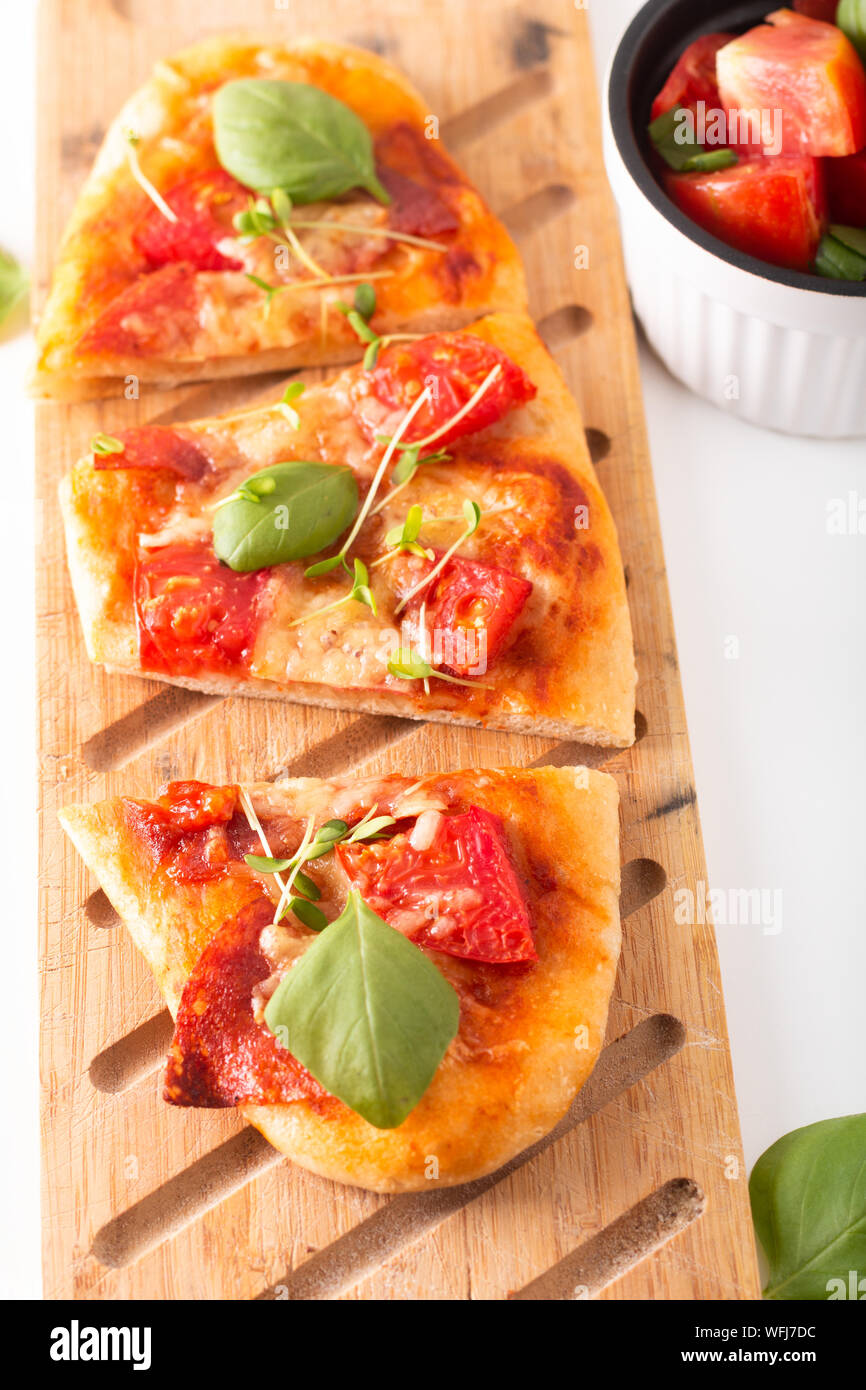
(205, 205)
(774, 209)
(846, 189)
(469, 611)
(694, 77)
(194, 614)
(156, 446)
(453, 367)
(808, 71)
(196, 805)
(456, 892)
(220, 1055)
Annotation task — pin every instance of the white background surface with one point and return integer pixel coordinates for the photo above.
(777, 733)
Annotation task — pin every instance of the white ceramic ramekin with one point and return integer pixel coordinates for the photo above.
(776, 347)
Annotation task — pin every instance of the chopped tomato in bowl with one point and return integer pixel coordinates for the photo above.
(773, 209)
(744, 246)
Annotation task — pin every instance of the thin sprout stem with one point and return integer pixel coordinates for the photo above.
(369, 231)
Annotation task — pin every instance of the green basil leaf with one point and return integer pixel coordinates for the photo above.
(687, 155)
(852, 237)
(304, 511)
(808, 1196)
(13, 284)
(307, 912)
(836, 261)
(266, 864)
(709, 161)
(368, 1014)
(290, 135)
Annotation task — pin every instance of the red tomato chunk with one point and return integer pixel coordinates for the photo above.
(770, 208)
(194, 614)
(808, 71)
(459, 895)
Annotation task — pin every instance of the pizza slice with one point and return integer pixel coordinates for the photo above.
(237, 196)
(422, 536)
(401, 982)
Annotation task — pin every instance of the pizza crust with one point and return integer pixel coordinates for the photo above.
(481, 1108)
(96, 252)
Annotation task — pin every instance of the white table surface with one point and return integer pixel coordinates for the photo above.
(777, 732)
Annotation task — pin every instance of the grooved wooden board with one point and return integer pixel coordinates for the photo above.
(642, 1191)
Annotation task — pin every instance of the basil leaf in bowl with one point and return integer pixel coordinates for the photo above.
(284, 513)
(292, 136)
(808, 1196)
(368, 1014)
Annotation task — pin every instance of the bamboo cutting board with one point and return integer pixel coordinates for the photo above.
(641, 1192)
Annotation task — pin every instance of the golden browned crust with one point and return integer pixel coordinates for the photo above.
(486, 1103)
(571, 671)
(426, 290)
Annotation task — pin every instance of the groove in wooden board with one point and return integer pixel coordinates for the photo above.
(598, 443)
(136, 1054)
(217, 1174)
(503, 105)
(205, 1183)
(636, 1234)
(532, 212)
(562, 325)
(405, 1219)
(144, 726)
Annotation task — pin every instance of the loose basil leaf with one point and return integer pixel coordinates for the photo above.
(368, 1014)
(307, 912)
(851, 19)
(266, 864)
(709, 161)
(409, 666)
(808, 1196)
(272, 134)
(836, 261)
(852, 237)
(284, 513)
(13, 284)
(685, 156)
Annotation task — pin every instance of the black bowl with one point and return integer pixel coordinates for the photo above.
(646, 55)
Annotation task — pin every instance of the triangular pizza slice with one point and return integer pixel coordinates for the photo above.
(236, 199)
(402, 982)
(423, 536)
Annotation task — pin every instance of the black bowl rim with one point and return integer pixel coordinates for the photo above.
(630, 152)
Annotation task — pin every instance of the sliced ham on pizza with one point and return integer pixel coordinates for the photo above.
(423, 536)
(401, 982)
(238, 196)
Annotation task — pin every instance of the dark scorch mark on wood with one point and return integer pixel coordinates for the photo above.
(531, 43)
(677, 803)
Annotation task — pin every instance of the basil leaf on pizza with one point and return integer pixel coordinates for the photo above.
(283, 513)
(368, 1014)
(272, 134)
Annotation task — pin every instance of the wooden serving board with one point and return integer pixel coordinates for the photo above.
(642, 1192)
